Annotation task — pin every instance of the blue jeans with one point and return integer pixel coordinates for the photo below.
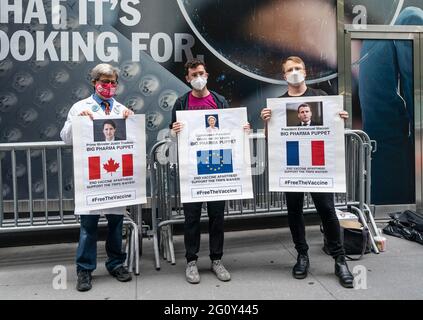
(86, 255)
(386, 92)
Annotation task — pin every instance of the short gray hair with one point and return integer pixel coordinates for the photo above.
(104, 69)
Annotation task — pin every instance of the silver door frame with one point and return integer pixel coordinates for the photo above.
(387, 32)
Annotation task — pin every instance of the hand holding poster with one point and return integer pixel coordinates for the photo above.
(306, 144)
(214, 155)
(109, 162)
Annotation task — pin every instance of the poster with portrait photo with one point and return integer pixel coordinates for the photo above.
(306, 158)
(304, 114)
(214, 164)
(109, 174)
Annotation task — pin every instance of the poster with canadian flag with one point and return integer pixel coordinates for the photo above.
(109, 162)
(306, 144)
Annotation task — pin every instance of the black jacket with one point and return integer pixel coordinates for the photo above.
(312, 123)
(182, 104)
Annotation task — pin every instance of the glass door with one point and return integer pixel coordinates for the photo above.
(383, 95)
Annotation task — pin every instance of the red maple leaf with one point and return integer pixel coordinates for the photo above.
(111, 166)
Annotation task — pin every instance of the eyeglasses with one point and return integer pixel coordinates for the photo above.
(114, 82)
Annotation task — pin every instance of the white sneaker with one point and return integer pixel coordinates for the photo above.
(191, 272)
(219, 269)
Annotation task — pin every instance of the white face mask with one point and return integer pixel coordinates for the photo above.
(199, 83)
(295, 78)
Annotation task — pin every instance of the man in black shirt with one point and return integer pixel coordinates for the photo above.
(294, 72)
(201, 98)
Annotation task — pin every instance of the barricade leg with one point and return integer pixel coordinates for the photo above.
(131, 250)
(371, 219)
(126, 263)
(170, 245)
(132, 246)
(165, 243)
(137, 250)
(138, 219)
(134, 261)
(156, 248)
(364, 222)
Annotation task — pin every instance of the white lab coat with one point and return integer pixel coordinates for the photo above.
(66, 134)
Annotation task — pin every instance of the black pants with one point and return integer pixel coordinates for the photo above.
(192, 232)
(326, 209)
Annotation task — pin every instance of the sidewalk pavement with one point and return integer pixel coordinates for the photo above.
(260, 262)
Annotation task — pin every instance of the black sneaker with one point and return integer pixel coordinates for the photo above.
(84, 280)
(121, 274)
(300, 269)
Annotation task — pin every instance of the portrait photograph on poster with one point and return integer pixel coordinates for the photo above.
(109, 130)
(212, 122)
(304, 114)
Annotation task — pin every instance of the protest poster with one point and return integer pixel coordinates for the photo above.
(306, 144)
(109, 162)
(214, 155)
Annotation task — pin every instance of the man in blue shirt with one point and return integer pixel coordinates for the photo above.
(100, 103)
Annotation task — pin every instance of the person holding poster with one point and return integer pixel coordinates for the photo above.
(294, 72)
(200, 98)
(104, 80)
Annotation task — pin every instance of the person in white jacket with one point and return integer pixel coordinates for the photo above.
(105, 80)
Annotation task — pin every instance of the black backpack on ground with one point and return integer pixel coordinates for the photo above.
(407, 225)
(355, 239)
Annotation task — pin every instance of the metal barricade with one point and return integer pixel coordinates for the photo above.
(166, 206)
(28, 214)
